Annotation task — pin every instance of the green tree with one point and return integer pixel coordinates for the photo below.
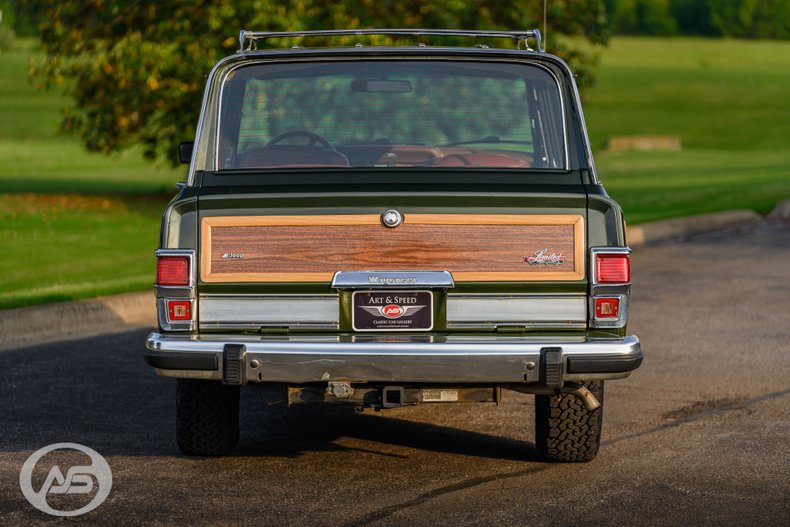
(693, 17)
(641, 17)
(136, 70)
(768, 19)
(6, 24)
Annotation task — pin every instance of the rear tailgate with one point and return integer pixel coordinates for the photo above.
(266, 262)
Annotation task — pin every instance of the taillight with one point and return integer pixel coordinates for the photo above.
(179, 309)
(613, 268)
(172, 270)
(607, 307)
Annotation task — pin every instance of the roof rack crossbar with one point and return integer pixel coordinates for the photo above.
(248, 39)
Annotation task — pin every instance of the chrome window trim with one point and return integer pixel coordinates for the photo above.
(582, 120)
(245, 63)
(210, 81)
(606, 250)
(199, 130)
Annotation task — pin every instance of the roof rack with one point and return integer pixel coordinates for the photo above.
(248, 39)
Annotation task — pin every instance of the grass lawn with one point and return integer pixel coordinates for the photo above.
(34, 157)
(659, 185)
(56, 244)
(726, 100)
(60, 247)
(76, 225)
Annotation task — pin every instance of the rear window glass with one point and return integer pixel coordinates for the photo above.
(391, 114)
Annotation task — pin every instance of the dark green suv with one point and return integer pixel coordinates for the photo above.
(385, 226)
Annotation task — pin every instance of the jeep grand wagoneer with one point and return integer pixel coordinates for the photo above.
(393, 225)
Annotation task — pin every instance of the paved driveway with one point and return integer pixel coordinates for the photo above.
(699, 435)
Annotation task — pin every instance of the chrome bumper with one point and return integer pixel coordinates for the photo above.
(419, 359)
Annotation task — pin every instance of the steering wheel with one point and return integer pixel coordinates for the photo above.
(313, 137)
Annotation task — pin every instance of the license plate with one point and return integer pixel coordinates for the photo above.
(392, 311)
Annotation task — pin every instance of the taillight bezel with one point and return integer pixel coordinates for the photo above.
(620, 321)
(601, 290)
(185, 292)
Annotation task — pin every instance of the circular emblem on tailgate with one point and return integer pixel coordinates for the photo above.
(392, 218)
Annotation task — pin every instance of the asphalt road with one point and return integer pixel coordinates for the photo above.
(700, 435)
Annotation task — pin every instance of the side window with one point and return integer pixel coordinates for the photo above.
(547, 124)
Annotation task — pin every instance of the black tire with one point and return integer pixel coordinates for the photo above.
(565, 430)
(207, 417)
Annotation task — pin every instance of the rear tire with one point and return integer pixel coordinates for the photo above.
(207, 417)
(565, 430)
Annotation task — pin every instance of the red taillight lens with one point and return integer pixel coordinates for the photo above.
(607, 307)
(172, 270)
(179, 309)
(612, 268)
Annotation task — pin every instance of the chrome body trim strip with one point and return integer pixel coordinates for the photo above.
(494, 310)
(392, 279)
(445, 360)
(174, 291)
(549, 324)
(262, 328)
(265, 310)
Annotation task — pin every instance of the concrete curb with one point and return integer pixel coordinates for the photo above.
(30, 326)
(781, 212)
(677, 227)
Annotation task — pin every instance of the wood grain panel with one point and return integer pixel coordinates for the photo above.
(312, 248)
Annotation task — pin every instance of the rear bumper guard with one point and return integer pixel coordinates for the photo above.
(455, 360)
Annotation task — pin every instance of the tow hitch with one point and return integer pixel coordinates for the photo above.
(378, 397)
(392, 396)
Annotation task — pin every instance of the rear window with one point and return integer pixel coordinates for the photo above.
(391, 114)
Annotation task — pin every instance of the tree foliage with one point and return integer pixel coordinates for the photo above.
(641, 17)
(6, 24)
(136, 70)
(761, 19)
(751, 18)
